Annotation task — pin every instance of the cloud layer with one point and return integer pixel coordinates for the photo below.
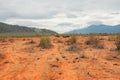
(60, 15)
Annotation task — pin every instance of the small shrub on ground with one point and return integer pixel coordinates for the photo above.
(2, 56)
(117, 42)
(72, 40)
(11, 40)
(59, 41)
(73, 48)
(2, 40)
(111, 38)
(57, 35)
(45, 43)
(82, 56)
(94, 42)
(112, 56)
(66, 36)
(30, 42)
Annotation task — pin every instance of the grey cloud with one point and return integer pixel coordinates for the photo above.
(95, 22)
(65, 24)
(115, 13)
(6, 14)
(47, 9)
(71, 16)
(26, 23)
(27, 9)
(42, 12)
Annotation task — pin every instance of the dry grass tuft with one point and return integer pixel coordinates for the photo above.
(72, 40)
(94, 42)
(45, 43)
(73, 48)
(117, 42)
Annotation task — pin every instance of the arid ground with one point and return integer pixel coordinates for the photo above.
(23, 59)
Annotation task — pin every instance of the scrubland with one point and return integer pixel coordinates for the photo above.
(60, 57)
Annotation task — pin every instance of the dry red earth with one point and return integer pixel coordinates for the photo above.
(22, 60)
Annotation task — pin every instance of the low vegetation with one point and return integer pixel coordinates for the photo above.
(31, 42)
(74, 47)
(45, 43)
(2, 40)
(2, 56)
(72, 40)
(117, 42)
(94, 42)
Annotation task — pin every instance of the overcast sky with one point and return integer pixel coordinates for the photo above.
(60, 15)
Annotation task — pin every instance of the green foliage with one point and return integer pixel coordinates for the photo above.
(45, 43)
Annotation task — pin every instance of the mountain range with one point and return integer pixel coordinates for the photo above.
(101, 28)
(16, 29)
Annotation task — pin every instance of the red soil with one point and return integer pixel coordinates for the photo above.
(22, 60)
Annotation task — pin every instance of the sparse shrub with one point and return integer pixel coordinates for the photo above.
(72, 40)
(57, 35)
(94, 42)
(2, 56)
(66, 36)
(82, 56)
(45, 43)
(112, 56)
(111, 38)
(31, 42)
(11, 40)
(100, 46)
(2, 40)
(59, 41)
(73, 48)
(117, 42)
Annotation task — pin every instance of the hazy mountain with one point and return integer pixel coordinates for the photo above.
(6, 28)
(97, 29)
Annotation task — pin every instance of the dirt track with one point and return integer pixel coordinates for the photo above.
(22, 60)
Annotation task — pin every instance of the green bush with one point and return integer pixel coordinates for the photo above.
(45, 43)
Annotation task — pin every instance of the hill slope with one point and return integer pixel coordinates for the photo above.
(6, 28)
(97, 29)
